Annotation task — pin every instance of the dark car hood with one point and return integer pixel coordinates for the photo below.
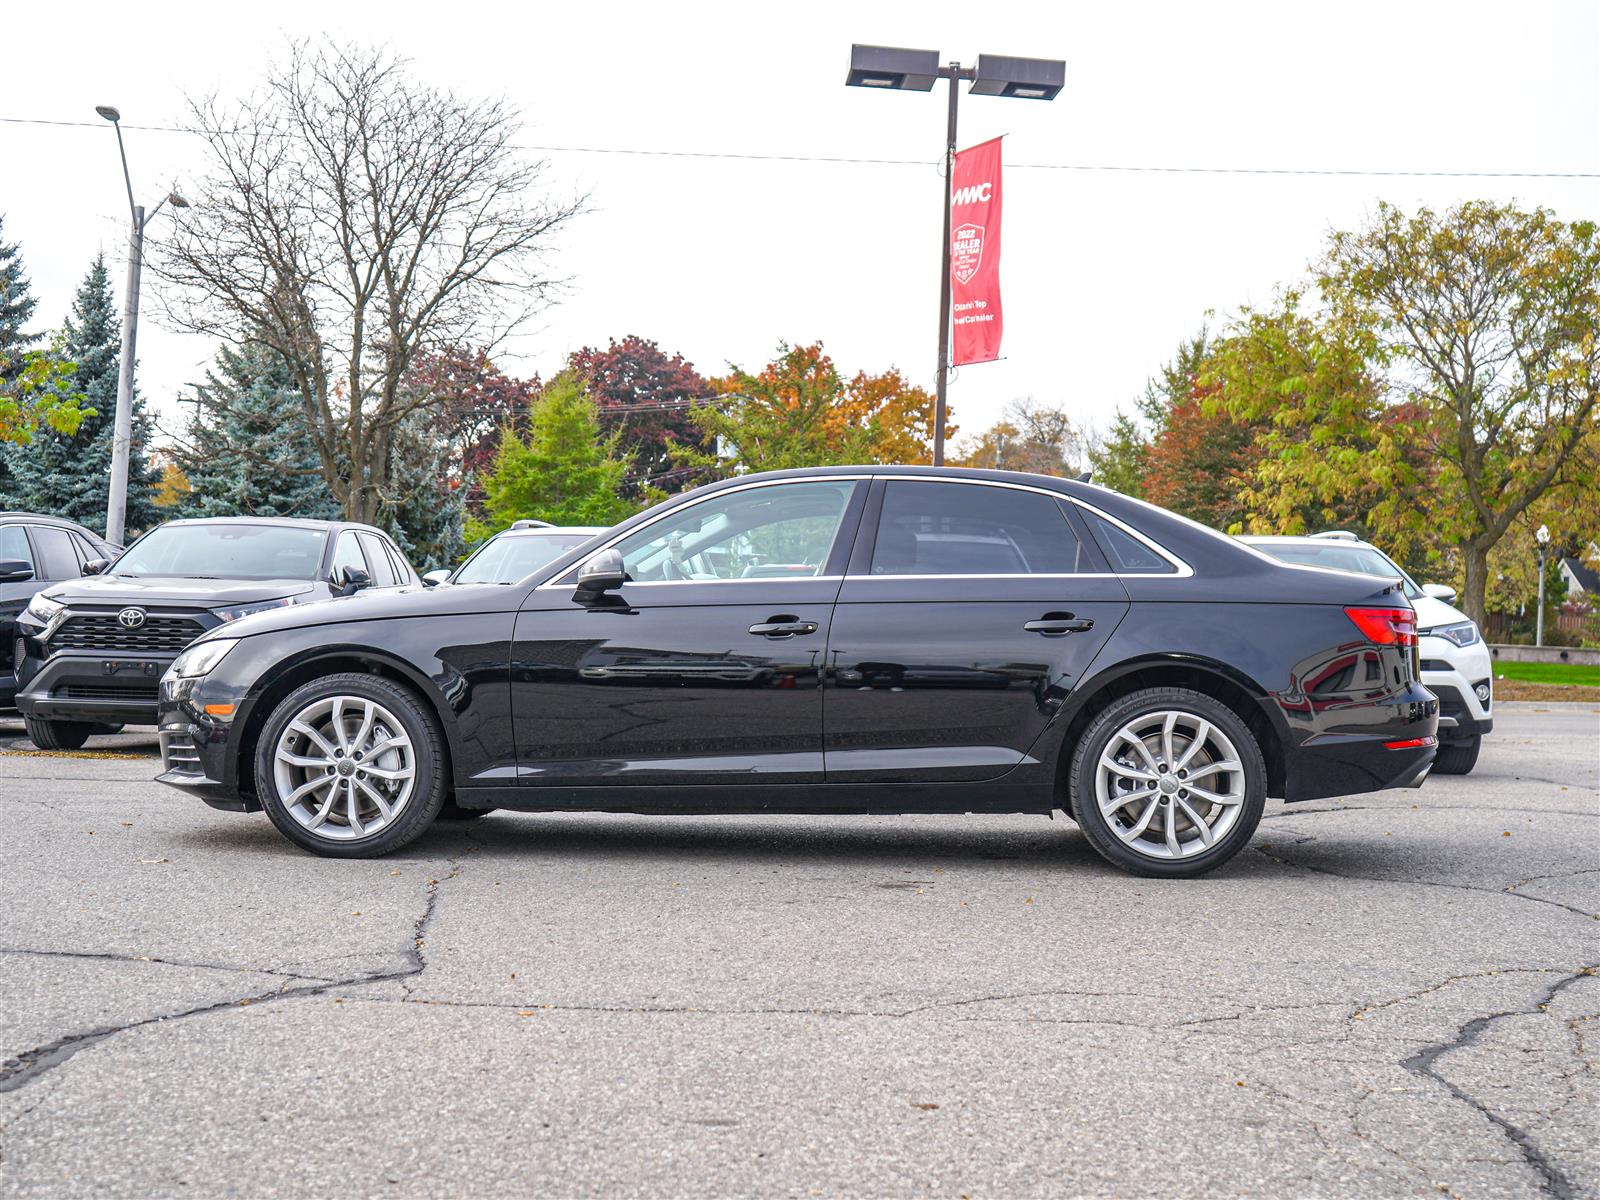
(172, 589)
(371, 604)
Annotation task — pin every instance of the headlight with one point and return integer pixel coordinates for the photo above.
(42, 608)
(244, 610)
(1463, 634)
(200, 658)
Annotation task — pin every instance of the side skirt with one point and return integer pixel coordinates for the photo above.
(772, 798)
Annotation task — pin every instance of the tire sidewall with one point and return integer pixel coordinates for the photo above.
(427, 796)
(1085, 808)
(58, 735)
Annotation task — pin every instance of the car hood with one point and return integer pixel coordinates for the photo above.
(175, 589)
(1432, 612)
(372, 604)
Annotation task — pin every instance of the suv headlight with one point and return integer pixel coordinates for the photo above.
(1465, 633)
(201, 658)
(244, 610)
(42, 608)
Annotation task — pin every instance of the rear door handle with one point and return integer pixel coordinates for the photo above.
(1059, 624)
(783, 626)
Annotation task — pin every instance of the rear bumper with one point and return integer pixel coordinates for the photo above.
(1366, 748)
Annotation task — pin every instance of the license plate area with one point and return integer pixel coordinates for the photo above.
(124, 666)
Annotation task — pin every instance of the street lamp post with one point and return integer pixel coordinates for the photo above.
(122, 433)
(1542, 536)
(891, 68)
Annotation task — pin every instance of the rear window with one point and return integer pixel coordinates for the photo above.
(232, 551)
(1128, 555)
(972, 529)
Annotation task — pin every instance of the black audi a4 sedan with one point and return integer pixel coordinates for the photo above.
(838, 640)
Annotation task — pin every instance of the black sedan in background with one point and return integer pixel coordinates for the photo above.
(91, 652)
(36, 551)
(868, 639)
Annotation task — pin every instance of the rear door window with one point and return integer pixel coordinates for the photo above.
(57, 558)
(381, 568)
(1128, 555)
(938, 528)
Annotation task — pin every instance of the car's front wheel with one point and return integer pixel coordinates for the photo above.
(1168, 782)
(1457, 758)
(350, 766)
(58, 735)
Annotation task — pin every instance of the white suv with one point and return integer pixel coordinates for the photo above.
(1456, 666)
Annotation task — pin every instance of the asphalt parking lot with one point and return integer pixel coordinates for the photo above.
(1392, 995)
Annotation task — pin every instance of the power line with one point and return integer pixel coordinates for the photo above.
(1133, 168)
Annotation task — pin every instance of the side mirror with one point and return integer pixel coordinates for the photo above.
(15, 570)
(1439, 591)
(435, 578)
(96, 566)
(602, 573)
(352, 580)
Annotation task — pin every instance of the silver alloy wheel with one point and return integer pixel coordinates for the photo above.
(1170, 784)
(345, 768)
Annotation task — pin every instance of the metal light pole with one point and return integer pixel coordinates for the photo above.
(1542, 536)
(122, 433)
(893, 69)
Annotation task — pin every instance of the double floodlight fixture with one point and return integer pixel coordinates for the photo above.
(895, 69)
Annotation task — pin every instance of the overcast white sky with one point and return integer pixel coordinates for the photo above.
(1104, 271)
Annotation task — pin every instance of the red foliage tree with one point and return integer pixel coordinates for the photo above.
(646, 394)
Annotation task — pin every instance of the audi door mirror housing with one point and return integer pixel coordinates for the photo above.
(602, 573)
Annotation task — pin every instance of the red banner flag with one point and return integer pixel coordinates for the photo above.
(975, 253)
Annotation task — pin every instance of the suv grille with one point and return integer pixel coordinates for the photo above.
(101, 631)
(148, 689)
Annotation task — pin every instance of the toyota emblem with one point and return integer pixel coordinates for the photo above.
(131, 618)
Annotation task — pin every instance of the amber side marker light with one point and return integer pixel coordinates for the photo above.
(219, 710)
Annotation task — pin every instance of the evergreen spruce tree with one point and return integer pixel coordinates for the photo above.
(67, 475)
(423, 512)
(17, 303)
(248, 451)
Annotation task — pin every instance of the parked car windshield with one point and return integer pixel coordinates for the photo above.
(509, 558)
(225, 552)
(1341, 556)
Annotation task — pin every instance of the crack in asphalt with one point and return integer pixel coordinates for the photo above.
(1553, 1181)
(105, 956)
(29, 1065)
(1266, 852)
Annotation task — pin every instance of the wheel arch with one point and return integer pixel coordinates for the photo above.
(1221, 682)
(300, 669)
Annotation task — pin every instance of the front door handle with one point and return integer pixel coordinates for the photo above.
(1059, 624)
(783, 626)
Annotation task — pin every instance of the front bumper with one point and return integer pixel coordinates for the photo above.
(195, 744)
(102, 687)
(1455, 674)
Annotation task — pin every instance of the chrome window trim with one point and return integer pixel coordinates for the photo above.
(558, 585)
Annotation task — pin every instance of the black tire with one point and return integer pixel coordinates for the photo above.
(451, 811)
(1098, 737)
(58, 735)
(420, 728)
(1457, 758)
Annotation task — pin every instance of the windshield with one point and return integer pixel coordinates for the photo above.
(1340, 556)
(225, 552)
(508, 559)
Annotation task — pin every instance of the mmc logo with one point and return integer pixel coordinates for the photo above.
(973, 193)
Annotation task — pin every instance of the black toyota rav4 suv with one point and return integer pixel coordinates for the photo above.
(91, 652)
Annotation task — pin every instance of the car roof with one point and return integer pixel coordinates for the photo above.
(42, 518)
(1288, 539)
(280, 522)
(546, 530)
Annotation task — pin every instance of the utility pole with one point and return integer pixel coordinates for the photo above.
(122, 430)
(952, 73)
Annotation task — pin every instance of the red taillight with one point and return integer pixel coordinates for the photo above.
(1386, 626)
(1410, 743)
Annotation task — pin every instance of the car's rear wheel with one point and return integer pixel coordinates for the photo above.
(1168, 782)
(351, 766)
(1457, 758)
(58, 735)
